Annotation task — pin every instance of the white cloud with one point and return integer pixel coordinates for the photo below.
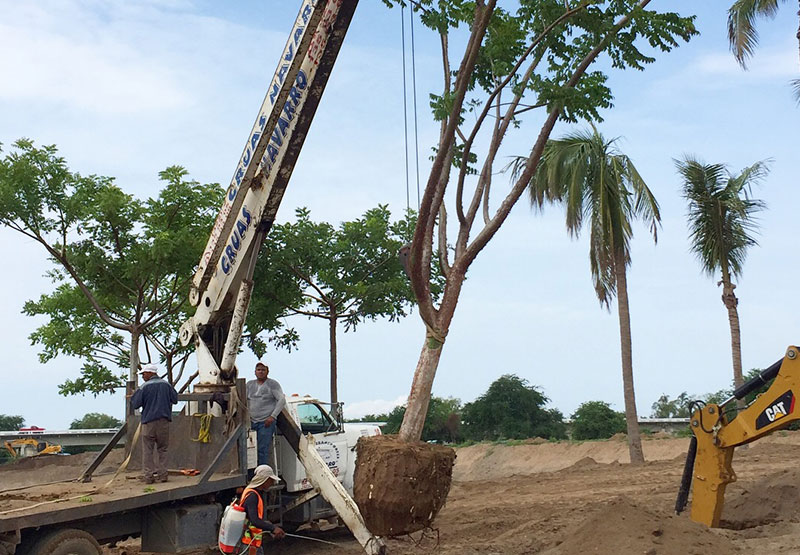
(93, 71)
(768, 64)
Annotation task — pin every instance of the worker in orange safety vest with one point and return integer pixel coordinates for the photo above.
(253, 504)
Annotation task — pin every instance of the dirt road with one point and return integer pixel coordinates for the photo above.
(578, 498)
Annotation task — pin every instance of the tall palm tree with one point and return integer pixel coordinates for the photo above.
(722, 227)
(742, 32)
(596, 182)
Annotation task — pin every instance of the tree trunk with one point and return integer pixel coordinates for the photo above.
(418, 400)
(134, 358)
(334, 376)
(631, 418)
(731, 302)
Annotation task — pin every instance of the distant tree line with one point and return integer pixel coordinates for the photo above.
(509, 409)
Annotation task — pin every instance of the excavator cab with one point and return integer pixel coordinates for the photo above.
(29, 447)
(708, 468)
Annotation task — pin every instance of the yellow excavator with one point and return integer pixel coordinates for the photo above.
(708, 467)
(29, 447)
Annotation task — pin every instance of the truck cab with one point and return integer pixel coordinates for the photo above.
(335, 442)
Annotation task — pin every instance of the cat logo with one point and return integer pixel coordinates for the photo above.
(775, 412)
(779, 409)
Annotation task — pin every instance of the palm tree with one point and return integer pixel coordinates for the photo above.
(595, 182)
(742, 32)
(721, 227)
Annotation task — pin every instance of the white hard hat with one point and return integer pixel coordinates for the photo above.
(151, 368)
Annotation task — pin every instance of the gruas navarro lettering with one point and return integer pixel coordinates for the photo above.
(282, 126)
(228, 259)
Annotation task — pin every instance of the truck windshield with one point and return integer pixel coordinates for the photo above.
(313, 419)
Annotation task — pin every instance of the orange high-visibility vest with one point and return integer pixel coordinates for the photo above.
(252, 535)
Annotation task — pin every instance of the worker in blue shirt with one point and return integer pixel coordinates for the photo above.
(155, 398)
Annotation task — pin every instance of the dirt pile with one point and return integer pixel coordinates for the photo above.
(399, 486)
(624, 526)
(770, 499)
(50, 468)
(489, 461)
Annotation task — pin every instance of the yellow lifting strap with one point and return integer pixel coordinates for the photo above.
(204, 435)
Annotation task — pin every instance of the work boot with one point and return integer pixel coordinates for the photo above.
(163, 478)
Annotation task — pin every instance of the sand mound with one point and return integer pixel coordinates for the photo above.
(485, 461)
(771, 499)
(583, 464)
(622, 526)
(50, 468)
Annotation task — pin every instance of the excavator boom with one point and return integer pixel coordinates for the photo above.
(709, 466)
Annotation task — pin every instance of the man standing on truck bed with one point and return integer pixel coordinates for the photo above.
(266, 401)
(155, 398)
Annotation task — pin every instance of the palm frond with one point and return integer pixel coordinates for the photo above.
(742, 33)
(722, 213)
(595, 183)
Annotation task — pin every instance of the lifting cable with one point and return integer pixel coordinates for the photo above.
(414, 92)
(405, 102)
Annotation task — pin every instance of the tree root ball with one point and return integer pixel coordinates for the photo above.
(400, 487)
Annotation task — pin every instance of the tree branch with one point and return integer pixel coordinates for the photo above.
(533, 159)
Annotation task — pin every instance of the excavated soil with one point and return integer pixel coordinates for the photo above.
(579, 498)
(400, 487)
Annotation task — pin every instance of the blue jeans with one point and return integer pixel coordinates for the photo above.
(263, 440)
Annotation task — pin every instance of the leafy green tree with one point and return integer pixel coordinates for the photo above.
(516, 60)
(439, 422)
(742, 32)
(348, 274)
(10, 423)
(598, 184)
(678, 407)
(512, 409)
(596, 420)
(722, 227)
(121, 266)
(94, 421)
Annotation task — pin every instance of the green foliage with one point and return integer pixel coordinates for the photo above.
(512, 409)
(560, 34)
(722, 212)
(122, 266)
(95, 420)
(350, 274)
(665, 407)
(596, 420)
(10, 423)
(442, 423)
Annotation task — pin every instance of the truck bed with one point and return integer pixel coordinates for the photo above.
(73, 501)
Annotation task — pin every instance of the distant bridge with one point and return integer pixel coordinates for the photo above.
(66, 438)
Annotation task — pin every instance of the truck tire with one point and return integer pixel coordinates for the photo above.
(66, 542)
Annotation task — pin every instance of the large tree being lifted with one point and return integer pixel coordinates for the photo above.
(514, 66)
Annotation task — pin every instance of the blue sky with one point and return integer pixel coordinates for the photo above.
(127, 88)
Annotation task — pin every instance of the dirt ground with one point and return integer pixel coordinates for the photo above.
(577, 498)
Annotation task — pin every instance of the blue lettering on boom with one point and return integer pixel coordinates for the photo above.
(228, 260)
(282, 125)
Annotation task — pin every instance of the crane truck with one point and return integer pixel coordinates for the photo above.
(716, 434)
(315, 450)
